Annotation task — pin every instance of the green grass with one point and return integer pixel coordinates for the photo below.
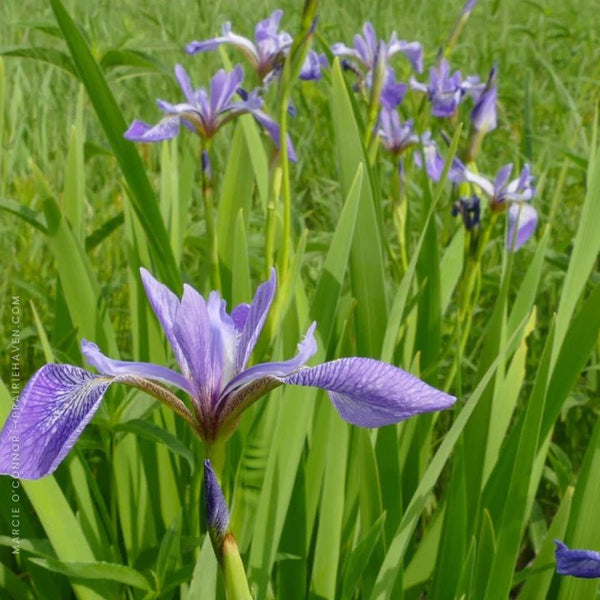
(460, 504)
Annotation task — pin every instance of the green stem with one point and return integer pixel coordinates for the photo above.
(211, 232)
(234, 574)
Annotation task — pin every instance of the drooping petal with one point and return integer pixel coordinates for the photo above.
(217, 514)
(51, 412)
(412, 50)
(392, 92)
(114, 368)
(143, 132)
(577, 563)
(339, 49)
(273, 130)
(370, 393)
(254, 321)
(522, 223)
(205, 45)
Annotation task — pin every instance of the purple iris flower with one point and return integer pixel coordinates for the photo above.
(266, 53)
(365, 60)
(577, 563)
(212, 349)
(483, 115)
(396, 136)
(434, 163)
(206, 112)
(445, 90)
(367, 49)
(313, 65)
(503, 194)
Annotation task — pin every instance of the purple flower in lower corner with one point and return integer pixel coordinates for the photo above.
(205, 112)
(212, 348)
(577, 563)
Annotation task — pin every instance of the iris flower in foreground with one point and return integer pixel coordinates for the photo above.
(205, 112)
(578, 563)
(212, 348)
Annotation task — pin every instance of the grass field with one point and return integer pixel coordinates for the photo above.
(462, 503)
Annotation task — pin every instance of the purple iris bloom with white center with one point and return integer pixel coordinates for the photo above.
(206, 112)
(503, 194)
(434, 163)
(266, 53)
(212, 349)
(577, 563)
(396, 136)
(445, 90)
(367, 48)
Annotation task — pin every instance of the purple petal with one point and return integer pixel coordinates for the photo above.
(502, 177)
(268, 27)
(392, 93)
(273, 370)
(114, 368)
(577, 563)
(522, 222)
(240, 315)
(184, 83)
(165, 305)
(412, 50)
(143, 132)
(370, 393)
(340, 49)
(222, 87)
(311, 69)
(217, 514)
(52, 411)
(444, 104)
(192, 330)
(483, 115)
(254, 321)
(468, 7)
(204, 46)
(223, 340)
(273, 130)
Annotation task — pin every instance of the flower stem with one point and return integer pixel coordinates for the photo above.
(234, 574)
(211, 232)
